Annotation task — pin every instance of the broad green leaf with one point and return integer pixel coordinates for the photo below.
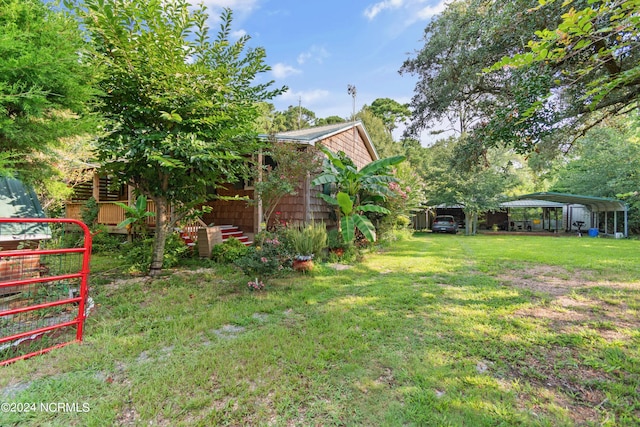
(365, 226)
(126, 222)
(331, 200)
(373, 208)
(377, 165)
(347, 228)
(324, 179)
(345, 203)
(141, 203)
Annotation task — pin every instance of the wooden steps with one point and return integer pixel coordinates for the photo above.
(190, 234)
(229, 231)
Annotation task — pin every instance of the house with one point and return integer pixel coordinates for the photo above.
(20, 201)
(349, 137)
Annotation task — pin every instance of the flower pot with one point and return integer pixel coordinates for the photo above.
(300, 265)
(338, 251)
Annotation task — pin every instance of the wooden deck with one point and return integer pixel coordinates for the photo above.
(109, 214)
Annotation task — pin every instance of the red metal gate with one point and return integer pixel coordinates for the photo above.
(43, 292)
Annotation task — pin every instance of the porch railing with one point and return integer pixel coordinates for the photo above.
(109, 213)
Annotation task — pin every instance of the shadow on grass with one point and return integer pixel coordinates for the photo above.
(424, 333)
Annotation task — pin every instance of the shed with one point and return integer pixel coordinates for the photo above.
(19, 201)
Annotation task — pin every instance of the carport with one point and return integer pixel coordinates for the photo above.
(548, 222)
(596, 205)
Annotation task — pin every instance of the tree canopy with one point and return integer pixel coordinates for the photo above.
(45, 88)
(580, 66)
(181, 107)
(478, 189)
(391, 112)
(593, 55)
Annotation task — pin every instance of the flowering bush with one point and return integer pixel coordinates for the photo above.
(255, 285)
(265, 259)
(403, 197)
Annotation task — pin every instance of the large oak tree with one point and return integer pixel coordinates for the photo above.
(575, 63)
(593, 55)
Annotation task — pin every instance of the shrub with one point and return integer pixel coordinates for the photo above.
(310, 239)
(175, 250)
(269, 259)
(229, 251)
(137, 254)
(335, 240)
(89, 212)
(102, 241)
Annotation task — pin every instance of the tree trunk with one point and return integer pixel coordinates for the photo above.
(470, 223)
(163, 225)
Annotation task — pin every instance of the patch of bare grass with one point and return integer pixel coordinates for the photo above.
(572, 307)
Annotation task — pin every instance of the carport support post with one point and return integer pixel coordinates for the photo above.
(626, 220)
(615, 222)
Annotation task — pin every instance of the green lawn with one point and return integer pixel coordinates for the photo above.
(436, 330)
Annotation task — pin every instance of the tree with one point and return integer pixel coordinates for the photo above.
(593, 54)
(45, 91)
(466, 38)
(181, 107)
(330, 120)
(290, 167)
(479, 188)
(382, 140)
(355, 191)
(391, 112)
(606, 163)
(293, 118)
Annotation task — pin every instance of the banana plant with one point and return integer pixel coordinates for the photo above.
(136, 216)
(356, 191)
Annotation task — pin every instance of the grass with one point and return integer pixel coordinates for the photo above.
(434, 330)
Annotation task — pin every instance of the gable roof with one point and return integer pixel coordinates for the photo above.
(311, 136)
(19, 201)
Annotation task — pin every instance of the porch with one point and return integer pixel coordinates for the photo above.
(109, 214)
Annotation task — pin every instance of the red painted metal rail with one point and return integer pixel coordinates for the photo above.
(20, 277)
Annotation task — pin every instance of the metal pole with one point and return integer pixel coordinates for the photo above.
(351, 90)
(626, 220)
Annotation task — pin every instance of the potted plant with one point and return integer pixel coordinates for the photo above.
(336, 243)
(303, 262)
(307, 241)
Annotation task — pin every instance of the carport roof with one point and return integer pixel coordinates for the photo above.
(531, 203)
(599, 204)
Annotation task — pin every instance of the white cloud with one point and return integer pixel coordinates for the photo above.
(307, 97)
(237, 34)
(373, 10)
(315, 53)
(429, 11)
(281, 70)
(415, 9)
(241, 6)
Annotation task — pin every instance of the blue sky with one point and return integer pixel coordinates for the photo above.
(317, 48)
